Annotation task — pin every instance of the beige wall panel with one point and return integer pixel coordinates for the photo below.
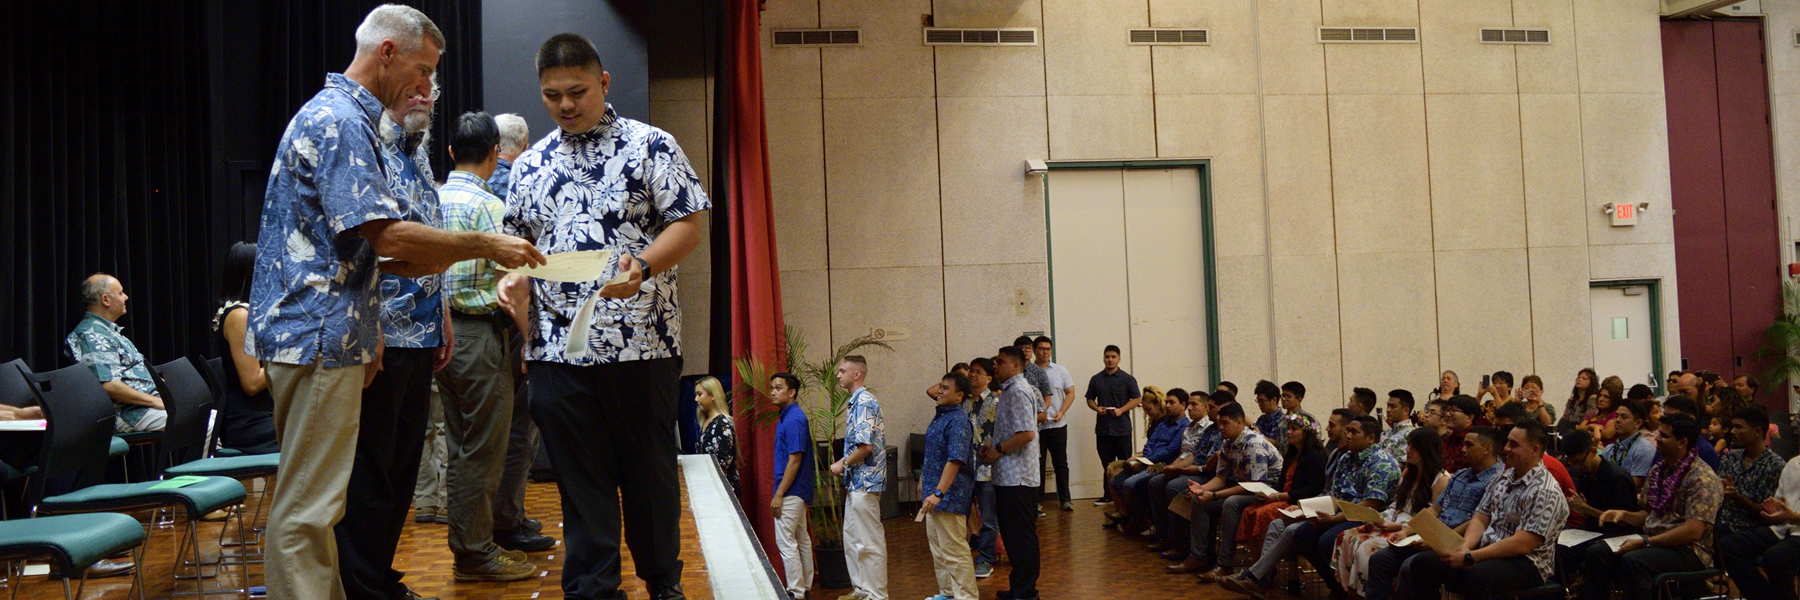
(1560, 321)
(797, 181)
(1370, 13)
(694, 291)
(1379, 175)
(1784, 110)
(1618, 45)
(1243, 292)
(881, 171)
(790, 72)
(908, 298)
(1306, 325)
(1166, 270)
(1784, 61)
(1390, 321)
(806, 306)
(980, 306)
(1484, 312)
(1625, 141)
(992, 211)
(1477, 195)
(1223, 128)
(1456, 62)
(1373, 69)
(1547, 69)
(1292, 59)
(985, 71)
(1299, 155)
(1102, 127)
(1556, 204)
(1085, 49)
(1226, 66)
(686, 120)
(892, 62)
(986, 13)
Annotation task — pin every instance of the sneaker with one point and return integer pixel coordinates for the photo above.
(425, 514)
(1243, 583)
(983, 570)
(500, 568)
(1103, 502)
(853, 596)
(1068, 506)
(941, 597)
(1041, 514)
(1148, 532)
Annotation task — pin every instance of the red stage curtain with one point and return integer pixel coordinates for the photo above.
(756, 325)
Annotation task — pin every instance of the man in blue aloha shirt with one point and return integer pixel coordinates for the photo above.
(328, 212)
(605, 359)
(864, 469)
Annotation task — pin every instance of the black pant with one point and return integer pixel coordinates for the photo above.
(1421, 575)
(1739, 552)
(389, 441)
(1112, 447)
(1384, 570)
(521, 450)
(1056, 446)
(1635, 570)
(1018, 508)
(610, 430)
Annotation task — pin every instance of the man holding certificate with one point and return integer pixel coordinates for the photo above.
(1510, 544)
(1247, 461)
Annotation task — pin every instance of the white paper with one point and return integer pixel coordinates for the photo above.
(1616, 542)
(1292, 512)
(1359, 513)
(1142, 461)
(1257, 487)
(1407, 541)
(1571, 538)
(1318, 507)
(23, 425)
(576, 267)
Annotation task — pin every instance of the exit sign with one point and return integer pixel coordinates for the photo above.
(1624, 214)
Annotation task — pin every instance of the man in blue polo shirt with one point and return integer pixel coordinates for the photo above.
(793, 483)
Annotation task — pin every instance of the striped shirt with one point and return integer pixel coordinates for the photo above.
(468, 205)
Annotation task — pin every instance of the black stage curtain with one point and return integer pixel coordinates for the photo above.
(137, 140)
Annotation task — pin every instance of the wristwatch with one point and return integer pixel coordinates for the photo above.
(1468, 558)
(937, 493)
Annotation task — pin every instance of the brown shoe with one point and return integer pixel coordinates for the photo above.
(1242, 585)
(1214, 575)
(1191, 565)
(501, 568)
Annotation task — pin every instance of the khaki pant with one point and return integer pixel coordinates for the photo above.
(428, 491)
(865, 545)
(948, 534)
(317, 413)
(795, 544)
(476, 393)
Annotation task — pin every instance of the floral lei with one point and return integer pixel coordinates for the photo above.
(1664, 479)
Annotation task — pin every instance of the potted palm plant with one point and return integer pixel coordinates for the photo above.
(1781, 344)
(825, 404)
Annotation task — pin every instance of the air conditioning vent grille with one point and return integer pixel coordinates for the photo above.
(1368, 35)
(1169, 37)
(1497, 35)
(1012, 36)
(788, 38)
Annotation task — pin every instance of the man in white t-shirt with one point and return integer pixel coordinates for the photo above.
(1054, 431)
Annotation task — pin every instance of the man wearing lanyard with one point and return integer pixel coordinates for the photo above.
(604, 361)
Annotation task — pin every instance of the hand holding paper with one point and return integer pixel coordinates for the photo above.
(1357, 512)
(1318, 507)
(1570, 538)
(1257, 487)
(576, 267)
(1434, 532)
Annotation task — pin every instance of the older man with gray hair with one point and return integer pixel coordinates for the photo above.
(514, 135)
(329, 211)
(116, 362)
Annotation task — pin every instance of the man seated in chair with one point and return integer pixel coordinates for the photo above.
(1680, 499)
(116, 362)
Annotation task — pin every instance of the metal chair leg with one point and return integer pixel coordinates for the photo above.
(137, 575)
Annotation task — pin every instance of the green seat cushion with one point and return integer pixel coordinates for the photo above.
(229, 466)
(204, 497)
(78, 540)
(119, 446)
(227, 452)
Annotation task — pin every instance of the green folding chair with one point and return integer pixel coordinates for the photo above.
(72, 543)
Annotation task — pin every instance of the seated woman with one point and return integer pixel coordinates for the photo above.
(1606, 406)
(1161, 448)
(1581, 402)
(717, 436)
(1422, 479)
(1303, 477)
(247, 411)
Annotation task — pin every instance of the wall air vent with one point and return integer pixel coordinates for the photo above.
(1170, 37)
(1515, 36)
(953, 36)
(1368, 35)
(801, 38)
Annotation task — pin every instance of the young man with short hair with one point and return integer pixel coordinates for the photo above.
(1399, 423)
(1362, 400)
(1455, 507)
(1055, 429)
(1681, 501)
(945, 489)
(1246, 457)
(1292, 394)
(864, 469)
(1017, 473)
(1748, 473)
(1458, 416)
(1632, 448)
(1199, 442)
(1763, 561)
(1683, 405)
(793, 484)
(1112, 394)
(1600, 486)
(1272, 422)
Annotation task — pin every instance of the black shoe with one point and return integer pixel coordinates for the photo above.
(532, 525)
(1008, 595)
(411, 595)
(519, 539)
(672, 592)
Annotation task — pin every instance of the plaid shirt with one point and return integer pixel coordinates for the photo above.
(469, 205)
(1532, 502)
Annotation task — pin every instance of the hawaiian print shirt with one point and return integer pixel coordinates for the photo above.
(1016, 412)
(864, 426)
(1532, 503)
(412, 308)
(501, 181)
(1274, 425)
(949, 438)
(469, 205)
(615, 187)
(1366, 475)
(314, 297)
(112, 357)
(1190, 439)
(981, 418)
(1250, 457)
(1698, 496)
(1755, 481)
(1394, 440)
